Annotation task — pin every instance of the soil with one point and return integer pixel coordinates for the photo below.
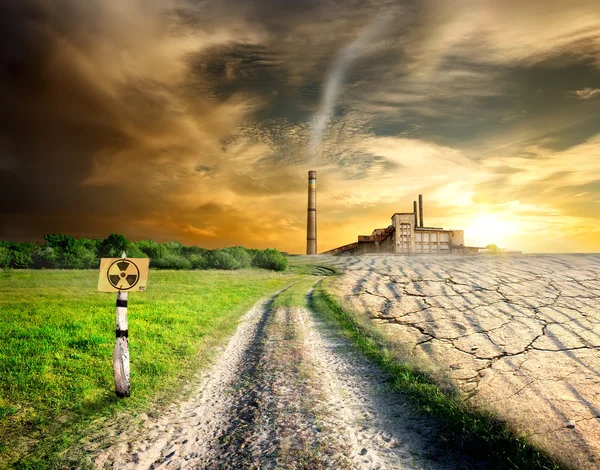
(286, 392)
(517, 335)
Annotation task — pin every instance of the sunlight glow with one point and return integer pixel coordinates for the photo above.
(491, 228)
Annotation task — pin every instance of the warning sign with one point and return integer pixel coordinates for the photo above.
(123, 274)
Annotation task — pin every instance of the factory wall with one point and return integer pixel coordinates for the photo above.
(433, 241)
(388, 244)
(407, 236)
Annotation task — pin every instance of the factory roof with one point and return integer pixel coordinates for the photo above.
(378, 235)
(340, 249)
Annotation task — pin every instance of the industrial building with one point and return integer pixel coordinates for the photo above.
(406, 235)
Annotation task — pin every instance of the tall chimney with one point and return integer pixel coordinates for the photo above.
(420, 210)
(311, 224)
(416, 213)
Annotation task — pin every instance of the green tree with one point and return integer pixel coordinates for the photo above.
(199, 261)
(64, 251)
(174, 247)
(114, 245)
(153, 250)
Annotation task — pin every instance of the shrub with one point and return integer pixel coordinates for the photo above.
(199, 261)
(173, 262)
(20, 259)
(193, 250)
(134, 252)
(79, 257)
(5, 257)
(241, 256)
(16, 255)
(270, 259)
(45, 257)
(113, 246)
(221, 259)
(174, 248)
(63, 251)
(151, 249)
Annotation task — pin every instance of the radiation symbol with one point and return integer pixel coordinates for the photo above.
(123, 274)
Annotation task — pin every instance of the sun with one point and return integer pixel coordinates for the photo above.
(491, 228)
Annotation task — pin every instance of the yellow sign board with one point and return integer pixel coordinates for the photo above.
(123, 274)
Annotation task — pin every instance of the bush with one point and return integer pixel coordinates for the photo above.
(199, 261)
(151, 249)
(134, 252)
(17, 255)
(79, 257)
(64, 251)
(270, 259)
(5, 257)
(113, 246)
(20, 259)
(241, 256)
(45, 257)
(193, 250)
(221, 259)
(174, 248)
(173, 262)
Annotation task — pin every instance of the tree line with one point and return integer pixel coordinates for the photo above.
(65, 252)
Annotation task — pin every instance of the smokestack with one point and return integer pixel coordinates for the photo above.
(416, 213)
(311, 224)
(420, 210)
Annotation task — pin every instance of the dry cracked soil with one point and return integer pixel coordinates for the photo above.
(286, 392)
(517, 335)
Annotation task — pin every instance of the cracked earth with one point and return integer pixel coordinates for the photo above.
(517, 335)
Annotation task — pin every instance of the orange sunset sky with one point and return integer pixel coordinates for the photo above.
(198, 120)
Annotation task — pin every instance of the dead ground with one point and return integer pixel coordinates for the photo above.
(519, 335)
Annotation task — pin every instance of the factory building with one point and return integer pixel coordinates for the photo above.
(407, 236)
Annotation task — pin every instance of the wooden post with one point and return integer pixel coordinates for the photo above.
(121, 352)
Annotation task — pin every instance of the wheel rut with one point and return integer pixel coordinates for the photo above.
(286, 392)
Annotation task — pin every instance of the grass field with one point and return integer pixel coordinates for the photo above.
(56, 340)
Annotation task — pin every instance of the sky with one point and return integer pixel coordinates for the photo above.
(198, 120)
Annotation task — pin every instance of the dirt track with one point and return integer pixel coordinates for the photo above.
(286, 392)
(517, 334)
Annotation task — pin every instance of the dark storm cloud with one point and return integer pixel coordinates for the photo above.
(176, 118)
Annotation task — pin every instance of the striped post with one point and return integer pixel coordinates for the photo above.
(121, 352)
(311, 224)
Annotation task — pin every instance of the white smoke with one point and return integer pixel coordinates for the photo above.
(335, 78)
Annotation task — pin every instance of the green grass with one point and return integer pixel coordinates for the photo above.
(471, 432)
(57, 336)
(306, 265)
(295, 296)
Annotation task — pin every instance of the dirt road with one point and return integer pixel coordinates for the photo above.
(286, 392)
